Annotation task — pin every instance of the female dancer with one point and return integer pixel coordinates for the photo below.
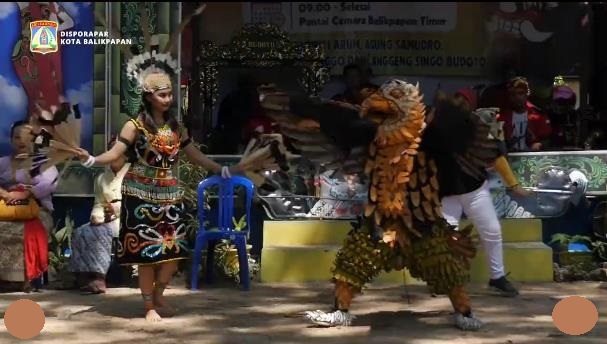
(152, 231)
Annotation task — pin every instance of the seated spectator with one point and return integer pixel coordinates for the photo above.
(25, 216)
(92, 242)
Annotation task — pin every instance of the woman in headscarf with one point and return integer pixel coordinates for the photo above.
(92, 242)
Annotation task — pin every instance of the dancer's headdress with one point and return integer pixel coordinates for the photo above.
(152, 70)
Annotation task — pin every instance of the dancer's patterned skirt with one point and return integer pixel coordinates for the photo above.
(92, 248)
(151, 233)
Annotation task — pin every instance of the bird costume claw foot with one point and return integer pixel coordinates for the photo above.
(333, 319)
(467, 323)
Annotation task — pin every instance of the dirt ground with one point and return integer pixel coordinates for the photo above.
(272, 314)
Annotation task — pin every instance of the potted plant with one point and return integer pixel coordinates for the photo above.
(227, 256)
(60, 253)
(599, 249)
(572, 249)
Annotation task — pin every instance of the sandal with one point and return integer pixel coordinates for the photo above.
(92, 288)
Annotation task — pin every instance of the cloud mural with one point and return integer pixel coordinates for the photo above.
(12, 97)
(6, 9)
(82, 95)
(13, 100)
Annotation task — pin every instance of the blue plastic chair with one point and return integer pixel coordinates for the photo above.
(225, 208)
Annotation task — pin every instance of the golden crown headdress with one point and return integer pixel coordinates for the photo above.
(152, 71)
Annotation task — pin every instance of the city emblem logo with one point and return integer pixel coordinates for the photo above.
(43, 36)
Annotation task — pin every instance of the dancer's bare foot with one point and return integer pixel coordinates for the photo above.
(152, 316)
(150, 310)
(163, 307)
(167, 311)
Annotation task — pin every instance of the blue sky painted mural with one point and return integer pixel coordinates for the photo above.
(77, 70)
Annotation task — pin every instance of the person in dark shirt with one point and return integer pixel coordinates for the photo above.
(356, 80)
(236, 112)
(462, 193)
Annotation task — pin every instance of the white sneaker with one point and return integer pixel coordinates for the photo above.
(334, 319)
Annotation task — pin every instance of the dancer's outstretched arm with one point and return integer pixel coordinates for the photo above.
(502, 167)
(127, 136)
(198, 158)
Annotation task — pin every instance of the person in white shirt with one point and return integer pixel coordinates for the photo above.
(92, 242)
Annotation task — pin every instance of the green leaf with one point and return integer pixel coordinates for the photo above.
(17, 48)
(60, 234)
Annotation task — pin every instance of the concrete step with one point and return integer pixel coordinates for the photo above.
(526, 261)
(331, 232)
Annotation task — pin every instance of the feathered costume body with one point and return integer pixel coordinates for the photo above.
(403, 224)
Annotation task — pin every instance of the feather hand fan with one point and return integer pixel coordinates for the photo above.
(54, 138)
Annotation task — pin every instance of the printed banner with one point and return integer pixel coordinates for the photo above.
(330, 17)
(442, 39)
(392, 38)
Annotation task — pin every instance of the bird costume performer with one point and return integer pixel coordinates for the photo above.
(403, 224)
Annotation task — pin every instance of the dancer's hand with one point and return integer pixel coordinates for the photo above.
(86, 159)
(519, 191)
(225, 172)
(82, 154)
